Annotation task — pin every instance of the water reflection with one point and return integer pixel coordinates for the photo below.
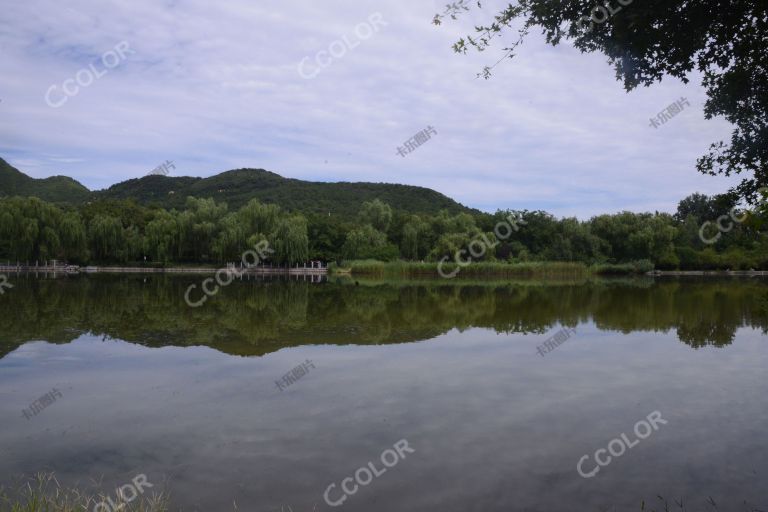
(253, 318)
(495, 426)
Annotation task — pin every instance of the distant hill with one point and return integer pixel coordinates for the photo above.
(56, 189)
(239, 186)
(236, 188)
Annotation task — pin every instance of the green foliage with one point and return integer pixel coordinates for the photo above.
(162, 235)
(451, 245)
(123, 232)
(163, 220)
(236, 188)
(57, 189)
(207, 232)
(367, 243)
(409, 247)
(31, 229)
(240, 186)
(704, 208)
(289, 241)
(376, 213)
(107, 238)
(637, 236)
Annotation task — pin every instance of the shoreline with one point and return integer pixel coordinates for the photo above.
(91, 269)
(713, 273)
(414, 273)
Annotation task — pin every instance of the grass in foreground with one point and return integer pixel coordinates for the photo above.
(43, 493)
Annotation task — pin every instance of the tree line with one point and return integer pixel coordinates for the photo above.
(204, 231)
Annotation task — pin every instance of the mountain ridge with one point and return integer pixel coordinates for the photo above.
(235, 187)
(55, 189)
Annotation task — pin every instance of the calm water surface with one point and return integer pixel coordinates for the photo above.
(189, 396)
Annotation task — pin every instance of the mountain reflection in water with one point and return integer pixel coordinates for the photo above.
(253, 318)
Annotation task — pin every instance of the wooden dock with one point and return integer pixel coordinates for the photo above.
(42, 269)
(708, 273)
(311, 269)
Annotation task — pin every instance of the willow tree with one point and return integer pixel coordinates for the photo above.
(105, 234)
(74, 241)
(134, 245)
(724, 42)
(198, 226)
(409, 248)
(17, 233)
(289, 241)
(368, 243)
(30, 229)
(162, 237)
(377, 213)
(49, 244)
(231, 238)
(256, 217)
(245, 228)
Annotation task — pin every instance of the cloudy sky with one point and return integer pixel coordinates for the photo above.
(214, 86)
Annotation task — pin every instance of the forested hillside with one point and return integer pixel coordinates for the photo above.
(238, 187)
(56, 188)
(235, 188)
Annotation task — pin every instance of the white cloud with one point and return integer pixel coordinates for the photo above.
(216, 86)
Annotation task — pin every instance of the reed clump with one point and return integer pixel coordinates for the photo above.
(44, 493)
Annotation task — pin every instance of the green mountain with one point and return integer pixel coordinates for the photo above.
(56, 189)
(235, 188)
(239, 186)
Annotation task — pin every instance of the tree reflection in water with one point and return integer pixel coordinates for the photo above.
(253, 318)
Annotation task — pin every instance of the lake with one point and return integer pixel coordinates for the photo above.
(392, 396)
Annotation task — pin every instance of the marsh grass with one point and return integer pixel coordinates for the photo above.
(623, 269)
(680, 505)
(480, 269)
(532, 270)
(44, 493)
